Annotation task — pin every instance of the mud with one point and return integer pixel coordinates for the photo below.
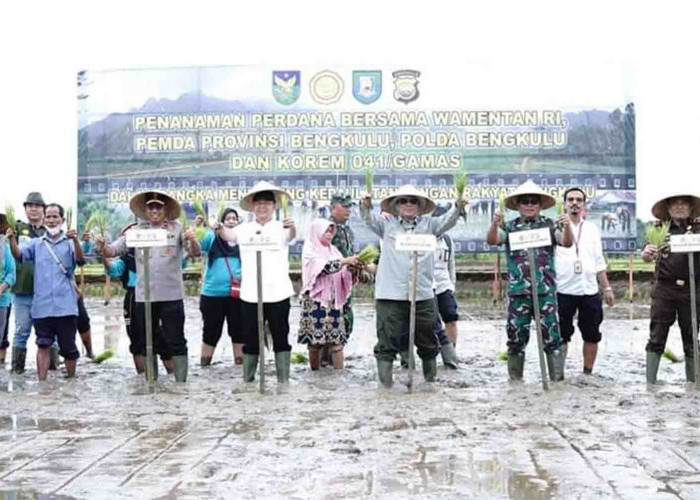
(336, 435)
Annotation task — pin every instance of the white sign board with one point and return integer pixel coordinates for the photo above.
(533, 238)
(259, 243)
(415, 242)
(141, 238)
(685, 243)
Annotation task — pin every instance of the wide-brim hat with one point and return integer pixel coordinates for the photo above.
(34, 198)
(529, 187)
(259, 187)
(138, 203)
(660, 208)
(425, 204)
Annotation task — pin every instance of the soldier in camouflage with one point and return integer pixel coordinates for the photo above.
(671, 291)
(529, 199)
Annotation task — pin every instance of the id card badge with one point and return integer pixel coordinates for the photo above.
(578, 268)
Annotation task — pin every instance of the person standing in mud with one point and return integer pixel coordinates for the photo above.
(326, 287)
(408, 209)
(220, 299)
(263, 199)
(23, 290)
(529, 200)
(7, 279)
(580, 272)
(670, 295)
(166, 287)
(344, 241)
(55, 300)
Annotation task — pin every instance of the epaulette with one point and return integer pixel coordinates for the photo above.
(695, 221)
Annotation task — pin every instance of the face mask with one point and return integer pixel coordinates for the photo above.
(53, 231)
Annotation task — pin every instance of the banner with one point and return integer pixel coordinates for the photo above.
(207, 135)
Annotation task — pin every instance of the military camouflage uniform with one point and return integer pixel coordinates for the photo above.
(344, 240)
(520, 308)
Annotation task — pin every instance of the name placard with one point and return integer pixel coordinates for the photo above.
(533, 238)
(259, 243)
(415, 242)
(141, 238)
(683, 243)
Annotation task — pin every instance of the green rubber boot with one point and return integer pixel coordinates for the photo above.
(384, 370)
(19, 358)
(555, 366)
(430, 369)
(516, 365)
(180, 368)
(653, 361)
(449, 356)
(689, 369)
(282, 364)
(250, 365)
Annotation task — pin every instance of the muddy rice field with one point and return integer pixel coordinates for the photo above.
(336, 435)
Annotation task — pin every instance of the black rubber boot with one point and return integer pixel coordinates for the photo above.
(19, 358)
(689, 369)
(653, 361)
(384, 370)
(430, 369)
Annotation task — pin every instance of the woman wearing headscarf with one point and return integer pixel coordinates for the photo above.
(326, 286)
(220, 299)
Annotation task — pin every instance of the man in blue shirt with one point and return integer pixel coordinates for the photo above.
(55, 303)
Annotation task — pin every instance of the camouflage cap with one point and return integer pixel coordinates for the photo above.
(342, 198)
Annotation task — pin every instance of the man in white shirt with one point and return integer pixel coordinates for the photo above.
(277, 288)
(580, 272)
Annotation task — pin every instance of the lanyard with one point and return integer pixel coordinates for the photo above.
(577, 238)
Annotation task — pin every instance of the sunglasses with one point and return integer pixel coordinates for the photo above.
(403, 201)
(529, 200)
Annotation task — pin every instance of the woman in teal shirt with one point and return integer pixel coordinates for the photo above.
(7, 279)
(222, 276)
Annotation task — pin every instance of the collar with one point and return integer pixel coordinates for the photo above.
(62, 236)
(338, 223)
(410, 223)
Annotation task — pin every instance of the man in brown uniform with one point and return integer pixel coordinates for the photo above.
(671, 291)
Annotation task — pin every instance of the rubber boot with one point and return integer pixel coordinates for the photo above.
(19, 358)
(404, 359)
(3, 354)
(384, 370)
(555, 366)
(337, 356)
(516, 365)
(53, 353)
(282, 363)
(250, 365)
(689, 369)
(429, 369)
(653, 361)
(564, 354)
(180, 363)
(449, 356)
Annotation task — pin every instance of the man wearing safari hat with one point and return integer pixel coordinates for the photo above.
(159, 211)
(409, 209)
(263, 199)
(529, 200)
(671, 291)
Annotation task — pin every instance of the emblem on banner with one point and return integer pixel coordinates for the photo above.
(326, 87)
(366, 86)
(286, 86)
(406, 85)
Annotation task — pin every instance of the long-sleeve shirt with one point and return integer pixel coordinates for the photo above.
(54, 292)
(394, 271)
(7, 273)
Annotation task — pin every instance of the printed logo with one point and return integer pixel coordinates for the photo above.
(326, 87)
(366, 86)
(406, 85)
(286, 86)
